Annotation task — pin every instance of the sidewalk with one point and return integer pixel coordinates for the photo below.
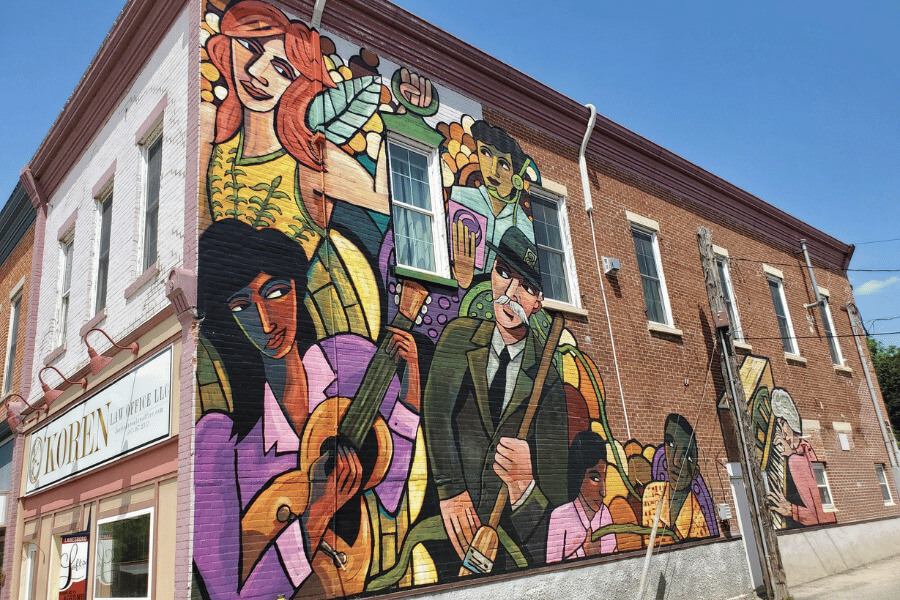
(876, 581)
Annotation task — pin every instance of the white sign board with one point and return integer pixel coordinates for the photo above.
(131, 413)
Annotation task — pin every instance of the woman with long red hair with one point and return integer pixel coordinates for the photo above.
(268, 167)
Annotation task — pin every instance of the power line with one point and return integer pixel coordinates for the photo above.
(804, 266)
(877, 241)
(816, 337)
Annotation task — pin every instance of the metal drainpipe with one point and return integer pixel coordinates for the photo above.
(318, 9)
(589, 207)
(889, 441)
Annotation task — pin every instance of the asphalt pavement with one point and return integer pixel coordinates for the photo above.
(875, 581)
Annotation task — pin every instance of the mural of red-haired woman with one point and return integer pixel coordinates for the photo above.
(268, 163)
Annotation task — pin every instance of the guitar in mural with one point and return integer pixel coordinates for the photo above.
(343, 557)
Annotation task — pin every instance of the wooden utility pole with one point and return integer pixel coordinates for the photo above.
(763, 528)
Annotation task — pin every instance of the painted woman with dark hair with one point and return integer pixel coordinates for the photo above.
(572, 524)
(251, 474)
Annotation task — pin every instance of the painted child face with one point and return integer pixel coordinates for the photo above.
(261, 70)
(593, 487)
(496, 167)
(266, 311)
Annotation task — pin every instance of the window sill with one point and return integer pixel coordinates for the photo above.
(743, 346)
(830, 510)
(56, 353)
(843, 369)
(891, 503)
(151, 272)
(662, 328)
(406, 273)
(564, 307)
(794, 358)
(96, 320)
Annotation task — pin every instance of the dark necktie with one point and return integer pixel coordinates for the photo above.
(497, 391)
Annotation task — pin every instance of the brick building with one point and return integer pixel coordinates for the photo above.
(409, 321)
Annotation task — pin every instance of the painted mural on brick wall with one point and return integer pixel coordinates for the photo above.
(383, 401)
(793, 493)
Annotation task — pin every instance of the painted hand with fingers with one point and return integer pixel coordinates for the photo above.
(402, 345)
(415, 89)
(512, 463)
(461, 521)
(330, 490)
(464, 253)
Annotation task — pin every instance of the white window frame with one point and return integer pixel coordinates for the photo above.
(721, 258)
(64, 295)
(650, 227)
(150, 555)
(881, 477)
(15, 314)
(775, 276)
(834, 346)
(543, 193)
(101, 200)
(819, 467)
(437, 213)
(154, 135)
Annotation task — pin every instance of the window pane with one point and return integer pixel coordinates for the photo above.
(643, 245)
(833, 347)
(883, 484)
(413, 239)
(546, 223)
(123, 558)
(13, 342)
(553, 275)
(154, 175)
(822, 482)
(728, 293)
(409, 177)
(781, 316)
(103, 259)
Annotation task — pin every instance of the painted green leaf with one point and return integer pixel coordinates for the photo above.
(340, 112)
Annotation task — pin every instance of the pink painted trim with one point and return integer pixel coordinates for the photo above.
(95, 320)
(151, 121)
(151, 272)
(38, 199)
(104, 180)
(54, 354)
(67, 225)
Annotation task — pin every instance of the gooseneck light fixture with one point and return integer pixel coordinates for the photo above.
(98, 361)
(51, 394)
(13, 415)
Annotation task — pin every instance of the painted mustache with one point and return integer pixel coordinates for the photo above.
(514, 306)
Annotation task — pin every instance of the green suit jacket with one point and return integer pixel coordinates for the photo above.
(461, 439)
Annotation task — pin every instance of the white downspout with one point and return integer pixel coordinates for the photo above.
(589, 207)
(318, 9)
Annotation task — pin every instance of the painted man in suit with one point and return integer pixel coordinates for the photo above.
(482, 379)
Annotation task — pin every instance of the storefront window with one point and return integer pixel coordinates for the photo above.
(123, 557)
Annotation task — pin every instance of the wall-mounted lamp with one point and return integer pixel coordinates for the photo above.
(98, 362)
(12, 413)
(52, 394)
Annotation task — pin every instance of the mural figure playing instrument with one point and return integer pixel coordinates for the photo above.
(279, 505)
(475, 447)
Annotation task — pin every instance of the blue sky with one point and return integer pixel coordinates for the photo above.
(796, 102)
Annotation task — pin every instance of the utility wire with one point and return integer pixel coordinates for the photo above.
(815, 337)
(804, 266)
(877, 241)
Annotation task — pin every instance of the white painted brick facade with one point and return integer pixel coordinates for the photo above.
(165, 75)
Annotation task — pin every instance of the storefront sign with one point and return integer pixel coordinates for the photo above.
(73, 562)
(129, 414)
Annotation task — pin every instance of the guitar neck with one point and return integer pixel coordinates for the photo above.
(362, 412)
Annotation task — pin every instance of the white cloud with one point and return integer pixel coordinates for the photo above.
(873, 286)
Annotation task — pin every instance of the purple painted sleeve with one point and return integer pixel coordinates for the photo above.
(217, 514)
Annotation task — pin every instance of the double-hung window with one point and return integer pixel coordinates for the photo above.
(15, 308)
(104, 206)
(837, 358)
(551, 235)
(775, 279)
(153, 166)
(123, 556)
(822, 484)
(646, 245)
(417, 208)
(728, 293)
(883, 484)
(66, 247)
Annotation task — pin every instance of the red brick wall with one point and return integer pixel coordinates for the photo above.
(16, 268)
